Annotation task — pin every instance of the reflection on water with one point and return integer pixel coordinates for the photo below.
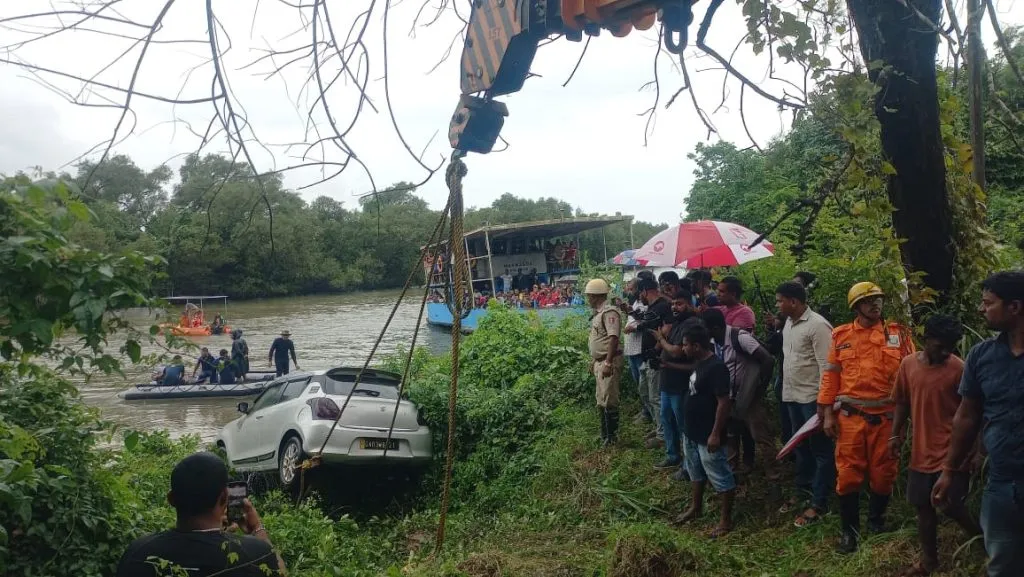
(328, 331)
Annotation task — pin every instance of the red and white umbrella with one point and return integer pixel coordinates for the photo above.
(701, 244)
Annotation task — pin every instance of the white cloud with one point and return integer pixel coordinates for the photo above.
(583, 143)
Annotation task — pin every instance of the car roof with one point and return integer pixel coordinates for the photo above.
(348, 374)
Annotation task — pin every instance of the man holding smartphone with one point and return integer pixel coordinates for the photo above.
(199, 545)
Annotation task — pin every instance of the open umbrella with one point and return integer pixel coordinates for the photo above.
(625, 258)
(704, 243)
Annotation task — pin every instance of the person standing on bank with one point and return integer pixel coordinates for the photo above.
(198, 546)
(926, 392)
(659, 311)
(863, 361)
(737, 314)
(280, 349)
(806, 340)
(675, 379)
(633, 349)
(706, 411)
(606, 357)
(992, 398)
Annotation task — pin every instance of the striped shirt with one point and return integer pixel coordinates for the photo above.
(634, 340)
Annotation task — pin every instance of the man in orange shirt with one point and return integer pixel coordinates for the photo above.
(927, 391)
(856, 408)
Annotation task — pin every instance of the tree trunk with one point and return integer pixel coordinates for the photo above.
(907, 108)
(976, 66)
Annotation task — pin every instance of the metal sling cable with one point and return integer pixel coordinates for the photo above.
(434, 236)
(453, 176)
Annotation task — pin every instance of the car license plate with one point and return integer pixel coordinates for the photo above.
(378, 444)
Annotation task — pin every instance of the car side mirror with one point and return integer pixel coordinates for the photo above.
(243, 408)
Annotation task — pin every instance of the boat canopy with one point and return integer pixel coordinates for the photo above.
(543, 228)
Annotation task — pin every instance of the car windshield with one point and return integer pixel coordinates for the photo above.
(368, 387)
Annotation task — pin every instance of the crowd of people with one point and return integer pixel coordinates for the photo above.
(845, 395)
(541, 296)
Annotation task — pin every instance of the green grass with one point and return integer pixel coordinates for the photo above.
(587, 511)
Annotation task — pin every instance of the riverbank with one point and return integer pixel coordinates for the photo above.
(532, 494)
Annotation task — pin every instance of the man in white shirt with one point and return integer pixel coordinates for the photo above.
(632, 348)
(806, 340)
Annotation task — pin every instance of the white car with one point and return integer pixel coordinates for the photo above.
(291, 418)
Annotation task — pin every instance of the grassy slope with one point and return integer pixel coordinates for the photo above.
(588, 511)
(533, 495)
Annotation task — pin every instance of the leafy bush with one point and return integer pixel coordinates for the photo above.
(60, 508)
(514, 371)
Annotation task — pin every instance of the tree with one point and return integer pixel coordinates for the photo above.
(900, 53)
(119, 187)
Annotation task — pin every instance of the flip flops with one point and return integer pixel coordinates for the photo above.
(809, 517)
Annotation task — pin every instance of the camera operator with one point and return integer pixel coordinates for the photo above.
(659, 311)
(199, 545)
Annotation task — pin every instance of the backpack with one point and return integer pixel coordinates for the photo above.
(745, 393)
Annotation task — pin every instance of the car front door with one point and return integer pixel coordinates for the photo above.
(275, 418)
(246, 449)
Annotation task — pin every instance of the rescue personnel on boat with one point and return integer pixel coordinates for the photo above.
(855, 404)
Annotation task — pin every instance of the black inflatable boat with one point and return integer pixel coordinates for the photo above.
(251, 386)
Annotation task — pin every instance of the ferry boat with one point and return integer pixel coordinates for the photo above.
(506, 260)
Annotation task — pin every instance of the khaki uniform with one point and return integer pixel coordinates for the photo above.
(605, 325)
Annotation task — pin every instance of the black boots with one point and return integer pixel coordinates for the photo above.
(877, 505)
(612, 416)
(849, 519)
(609, 425)
(849, 511)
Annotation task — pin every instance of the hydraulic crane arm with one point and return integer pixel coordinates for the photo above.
(502, 39)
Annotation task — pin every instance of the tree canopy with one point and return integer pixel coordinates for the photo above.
(218, 230)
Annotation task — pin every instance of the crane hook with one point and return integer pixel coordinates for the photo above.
(677, 18)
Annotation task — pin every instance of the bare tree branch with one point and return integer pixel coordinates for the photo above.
(743, 118)
(1003, 44)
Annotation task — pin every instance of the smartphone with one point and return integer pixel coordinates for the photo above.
(238, 491)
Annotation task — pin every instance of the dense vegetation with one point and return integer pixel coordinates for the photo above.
(219, 231)
(532, 493)
(820, 193)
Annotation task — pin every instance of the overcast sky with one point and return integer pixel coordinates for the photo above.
(583, 143)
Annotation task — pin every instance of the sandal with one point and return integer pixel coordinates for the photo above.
(789, 505)
(686, 517)
(917, 570)
(720, 531)
(809, 517)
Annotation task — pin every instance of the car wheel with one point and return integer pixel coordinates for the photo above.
(290, 457)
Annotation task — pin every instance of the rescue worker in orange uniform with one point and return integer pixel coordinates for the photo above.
(856, 408)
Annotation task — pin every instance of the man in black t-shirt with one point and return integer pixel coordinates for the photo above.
(675, 378)
(199, 546)
(705, 414)
(279, 351)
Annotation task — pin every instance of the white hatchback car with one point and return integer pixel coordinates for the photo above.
(293, 415)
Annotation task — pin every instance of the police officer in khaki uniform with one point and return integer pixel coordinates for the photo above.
(606, 356)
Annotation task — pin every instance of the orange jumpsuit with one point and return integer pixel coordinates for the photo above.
(863, 363)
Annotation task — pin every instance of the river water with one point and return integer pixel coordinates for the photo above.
(328, 331)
